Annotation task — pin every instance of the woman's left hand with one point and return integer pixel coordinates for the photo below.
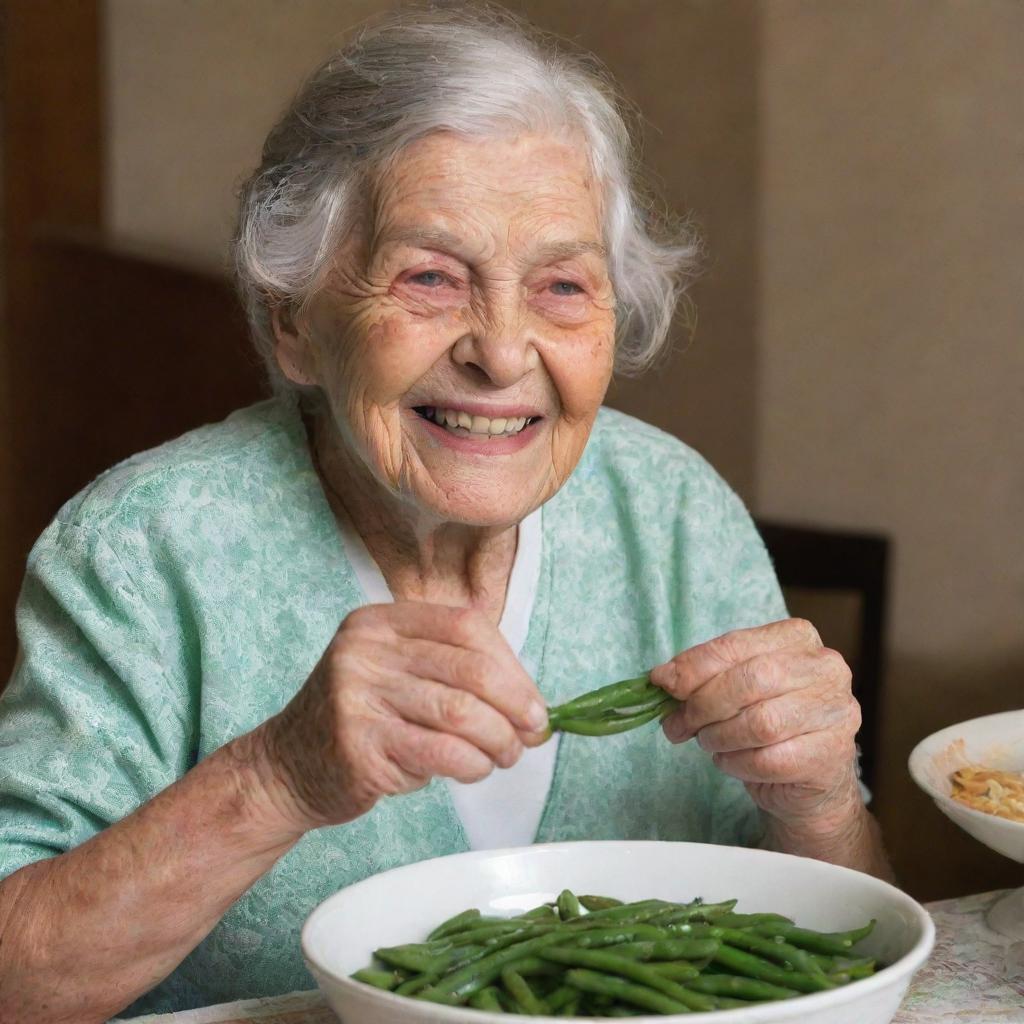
(774, 708)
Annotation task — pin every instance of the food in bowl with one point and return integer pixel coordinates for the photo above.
(990, 790)
(599, 957)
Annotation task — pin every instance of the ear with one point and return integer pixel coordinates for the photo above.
(292, 348)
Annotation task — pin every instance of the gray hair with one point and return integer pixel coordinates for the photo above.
(476, 71)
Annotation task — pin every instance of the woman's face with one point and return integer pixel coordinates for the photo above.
(464, 340)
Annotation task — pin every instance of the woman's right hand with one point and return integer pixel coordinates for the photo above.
(404, 692)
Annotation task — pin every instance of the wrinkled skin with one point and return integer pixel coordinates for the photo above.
(453, 293)
(403, 693)
(478, 278)
(775, 708)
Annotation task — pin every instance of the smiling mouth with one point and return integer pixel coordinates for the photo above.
(462, 424)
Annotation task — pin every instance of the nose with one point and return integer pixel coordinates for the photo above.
(499, 346)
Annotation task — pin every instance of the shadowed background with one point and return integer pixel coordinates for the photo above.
(855, 167)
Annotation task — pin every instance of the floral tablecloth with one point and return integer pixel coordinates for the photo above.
(972, 977)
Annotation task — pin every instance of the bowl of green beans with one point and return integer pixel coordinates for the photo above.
(606, 929)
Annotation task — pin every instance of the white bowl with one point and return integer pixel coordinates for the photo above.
(995, 741)
(402, 906)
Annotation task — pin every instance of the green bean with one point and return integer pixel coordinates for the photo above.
(676, 970)
(520, 991)
(828, 943)
(774, 948)
(406, 957)
(570, 1008)
(668, 949)
(461, 957)
(490, 931)
(532, 966)
(455, 924)
(752, 966)
(599, 902)
(602, 960)
(697, 911)
(750, 920)
(416, 984)
(622, 694)
(543, 912)
(851, 974)
(617, 707)
(740, 988)
(639, 910)
(461, 984)
(627, 992)
(486, 999)
(561, 996)
(568, 906)
(595, 938)
(499, 942)
(689, 930)
(387, 980)
(610, 726)
(831, 964)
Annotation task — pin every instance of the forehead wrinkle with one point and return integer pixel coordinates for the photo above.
(428, 237)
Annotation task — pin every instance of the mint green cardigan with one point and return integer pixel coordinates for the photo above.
(185, 595)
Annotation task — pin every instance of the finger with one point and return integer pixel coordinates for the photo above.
(423, 753)
(776, 720)
(507, 688)
(759, 679)
(448, 709)
(464, 629)
(810, 759)
(691, 669)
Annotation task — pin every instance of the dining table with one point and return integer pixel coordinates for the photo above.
(973, 976)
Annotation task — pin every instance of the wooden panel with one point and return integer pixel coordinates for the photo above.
(52, 151)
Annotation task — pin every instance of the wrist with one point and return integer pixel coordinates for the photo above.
(268, 803)
(831, 819)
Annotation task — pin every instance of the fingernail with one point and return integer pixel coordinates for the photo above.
(536, 717)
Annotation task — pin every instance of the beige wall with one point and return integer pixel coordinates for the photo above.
(891, 329)
(194, 86)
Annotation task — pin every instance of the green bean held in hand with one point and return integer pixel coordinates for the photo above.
(617, 707)
(599, 957)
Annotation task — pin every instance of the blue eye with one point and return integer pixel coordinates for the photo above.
(566, 288)
(429, 278)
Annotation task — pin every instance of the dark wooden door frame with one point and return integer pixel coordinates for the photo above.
(51, 70)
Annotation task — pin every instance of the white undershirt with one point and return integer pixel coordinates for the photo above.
(505, 808)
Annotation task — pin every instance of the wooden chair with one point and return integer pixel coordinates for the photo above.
(810, 561)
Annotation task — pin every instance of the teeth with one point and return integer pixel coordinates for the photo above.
(499, 426)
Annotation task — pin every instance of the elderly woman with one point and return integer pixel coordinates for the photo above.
(289, 650)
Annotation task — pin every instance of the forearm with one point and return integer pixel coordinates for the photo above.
(853, 842)
(84, 934)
